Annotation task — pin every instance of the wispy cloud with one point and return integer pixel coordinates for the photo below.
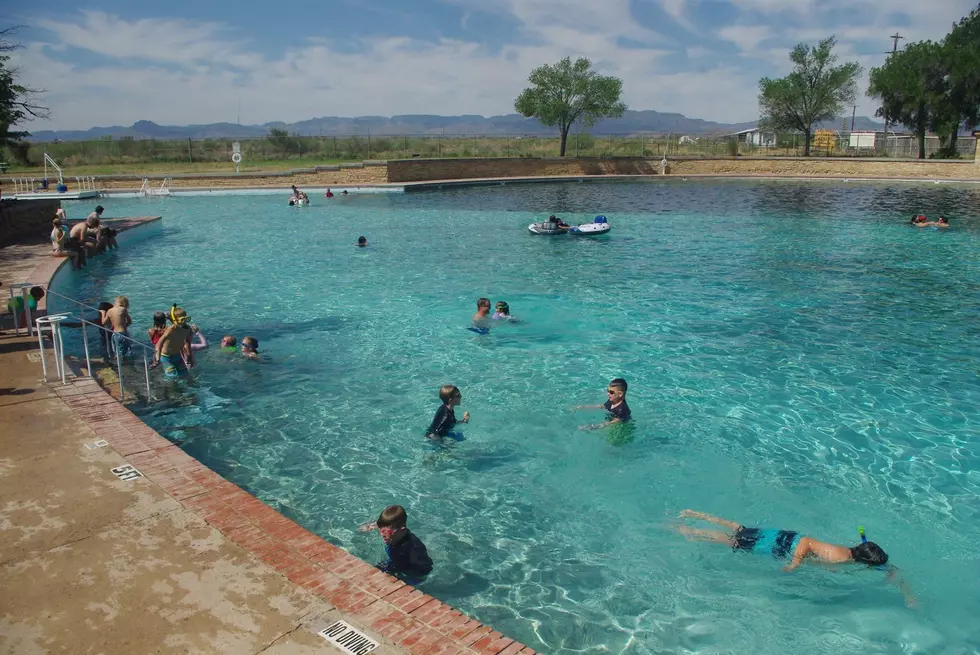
(101, 68)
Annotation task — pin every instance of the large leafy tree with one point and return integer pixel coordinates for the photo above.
(817, 90)
(18, 103)
(567, 92)
(912, 89)
(962, 62)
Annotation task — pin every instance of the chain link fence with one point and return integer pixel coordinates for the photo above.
(304, 150)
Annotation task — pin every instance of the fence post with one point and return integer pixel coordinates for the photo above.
(190, 156)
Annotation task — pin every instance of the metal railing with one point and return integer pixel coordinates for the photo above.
(162, 190)
(107, 337)
(54, 165)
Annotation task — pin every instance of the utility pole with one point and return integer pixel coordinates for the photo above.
(853, 112)
(894, 37)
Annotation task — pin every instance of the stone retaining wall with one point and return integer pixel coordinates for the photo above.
(343, 176)
(423, 170)
(23, 221)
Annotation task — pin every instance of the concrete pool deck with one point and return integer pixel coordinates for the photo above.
(173, 560)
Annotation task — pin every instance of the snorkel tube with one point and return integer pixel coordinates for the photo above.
(864, 539)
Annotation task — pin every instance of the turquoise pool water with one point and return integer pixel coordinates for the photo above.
(798, 357)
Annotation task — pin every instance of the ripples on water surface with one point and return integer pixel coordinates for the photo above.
(797, 356)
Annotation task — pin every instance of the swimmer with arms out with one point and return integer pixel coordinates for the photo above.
(617, 411)
(786, 543)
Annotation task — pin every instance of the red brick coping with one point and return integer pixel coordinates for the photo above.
(375, 600)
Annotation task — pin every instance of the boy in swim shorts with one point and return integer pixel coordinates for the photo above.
(782, 544)
(118, 318)
(174, 345)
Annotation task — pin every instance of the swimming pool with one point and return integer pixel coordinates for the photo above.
(798, 357)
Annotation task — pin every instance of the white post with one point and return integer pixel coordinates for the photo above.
(146, 371)
(59, 348)
(24, 294)
(122, 397)
(88, 360)
(44, 361)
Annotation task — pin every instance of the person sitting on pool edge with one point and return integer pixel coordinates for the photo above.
(785, 543)
(445, 419)
(617, 411)
(362, 242)
(408, 558)
(173, 348)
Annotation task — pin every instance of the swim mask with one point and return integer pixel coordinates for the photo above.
(181, 319)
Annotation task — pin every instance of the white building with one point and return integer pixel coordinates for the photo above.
(755, 137)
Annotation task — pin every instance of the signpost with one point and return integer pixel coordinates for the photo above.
(236, 156)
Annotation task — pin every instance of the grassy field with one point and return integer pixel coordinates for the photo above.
(283, 152)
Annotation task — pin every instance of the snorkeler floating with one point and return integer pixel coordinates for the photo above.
(799, 548)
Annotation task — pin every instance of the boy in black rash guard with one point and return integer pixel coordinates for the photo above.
(445, 418)
(617, 411)
(407, 557)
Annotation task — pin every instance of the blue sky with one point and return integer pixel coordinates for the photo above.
(110, 62)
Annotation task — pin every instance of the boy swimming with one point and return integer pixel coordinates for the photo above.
(799, 548)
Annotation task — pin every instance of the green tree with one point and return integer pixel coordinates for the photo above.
(962, 63)
(18, 103)
(815, 91)
(567, 92)
(911, 87)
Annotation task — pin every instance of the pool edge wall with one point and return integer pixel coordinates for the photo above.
(368, 598)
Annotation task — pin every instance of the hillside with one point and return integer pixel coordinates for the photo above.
(632, 122)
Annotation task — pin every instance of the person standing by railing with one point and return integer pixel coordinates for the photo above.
(173, 346)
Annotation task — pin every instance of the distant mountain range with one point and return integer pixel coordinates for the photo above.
(632, 123)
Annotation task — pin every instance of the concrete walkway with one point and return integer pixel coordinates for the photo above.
(90, 563)
(163, 555)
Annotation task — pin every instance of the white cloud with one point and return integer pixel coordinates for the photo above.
(176, 71)
(746, 37)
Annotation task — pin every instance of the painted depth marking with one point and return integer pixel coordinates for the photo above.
(126, 472)
(102, 443)
(348, 638)
(34, 357)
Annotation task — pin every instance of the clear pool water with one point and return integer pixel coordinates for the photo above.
(798, 357)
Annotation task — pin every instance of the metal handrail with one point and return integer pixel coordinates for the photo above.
(88, 360)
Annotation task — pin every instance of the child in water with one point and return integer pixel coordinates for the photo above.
(408, 558)
(502, 312)
(118, 317)
(445, 418)
(617, 411)
(173, 350)
(785, 543)
(229, 344)
(159, 327)
(250, 347)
